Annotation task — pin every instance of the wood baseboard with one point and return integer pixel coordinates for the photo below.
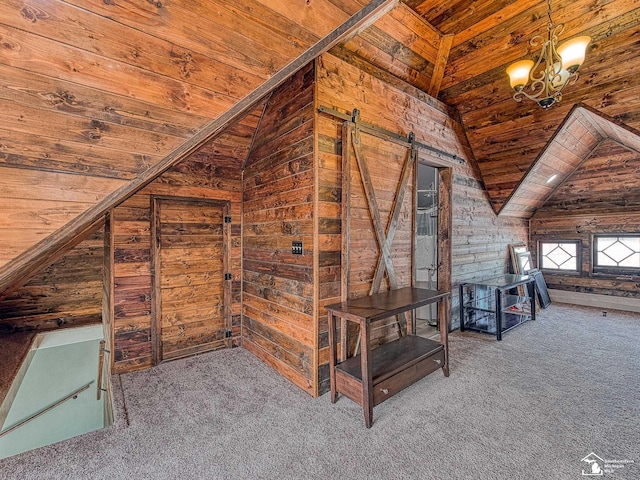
(595, 300)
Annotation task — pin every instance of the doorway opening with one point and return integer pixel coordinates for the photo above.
(426, 244)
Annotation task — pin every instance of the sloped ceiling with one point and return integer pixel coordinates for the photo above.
(605, 182)
(99, 98)
(94, 93)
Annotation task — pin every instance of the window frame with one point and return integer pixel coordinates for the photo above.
(558, 271)
(608, 269)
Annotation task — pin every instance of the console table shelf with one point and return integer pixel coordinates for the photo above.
(409, 357)
(377, 374)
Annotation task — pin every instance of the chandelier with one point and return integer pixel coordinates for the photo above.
(556, 67)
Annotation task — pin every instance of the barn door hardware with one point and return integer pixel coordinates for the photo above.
(227, 219)
(228, 276)
(387, 134)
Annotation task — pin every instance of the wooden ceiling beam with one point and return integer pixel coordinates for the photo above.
(20, 269)
(441, 63)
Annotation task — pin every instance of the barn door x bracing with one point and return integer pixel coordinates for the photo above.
(377, 213)
(191, 305)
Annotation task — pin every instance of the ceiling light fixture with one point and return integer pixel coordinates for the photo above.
(556, 67)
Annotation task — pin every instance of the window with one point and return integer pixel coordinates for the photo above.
(617, 253)
(561, 256)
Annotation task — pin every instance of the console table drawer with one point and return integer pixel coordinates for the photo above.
(392, 385)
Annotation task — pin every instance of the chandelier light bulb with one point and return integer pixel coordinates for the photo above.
(558, 75)
(573, 52)
(519, 73)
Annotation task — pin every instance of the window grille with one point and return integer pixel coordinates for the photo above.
(561, 256)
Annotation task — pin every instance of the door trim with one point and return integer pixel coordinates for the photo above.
(156, 304)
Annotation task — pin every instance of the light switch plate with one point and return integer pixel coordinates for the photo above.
(297, 248)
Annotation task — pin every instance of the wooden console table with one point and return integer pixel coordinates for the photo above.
(375, 375)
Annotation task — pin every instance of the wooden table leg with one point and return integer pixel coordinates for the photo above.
(332, 357)
(498, 314)
(367, 375)
(344, 339)
(444, 317)
(411, 322)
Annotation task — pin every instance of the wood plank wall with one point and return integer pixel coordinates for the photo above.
(213, 173)
(328, 147)
(278, 193)
(480, 238)
(548, 225)
(601, 196)
(66, 294)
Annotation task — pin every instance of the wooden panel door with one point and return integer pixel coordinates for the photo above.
(190, 260)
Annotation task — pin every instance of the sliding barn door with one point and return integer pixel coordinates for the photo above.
(377, 219)
(377, 212)
(190, 260)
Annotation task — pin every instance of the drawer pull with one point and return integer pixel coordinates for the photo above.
(438, 361)
(384, 390)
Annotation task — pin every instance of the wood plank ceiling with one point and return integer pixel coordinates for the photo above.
(584, 136)
(479, 39)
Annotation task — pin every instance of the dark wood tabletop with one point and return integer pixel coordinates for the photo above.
(386, 304)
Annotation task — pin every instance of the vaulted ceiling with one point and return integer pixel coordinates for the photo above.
(479, 39)
(97, 97)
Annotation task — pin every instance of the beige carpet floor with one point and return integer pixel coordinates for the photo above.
(529, 407)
